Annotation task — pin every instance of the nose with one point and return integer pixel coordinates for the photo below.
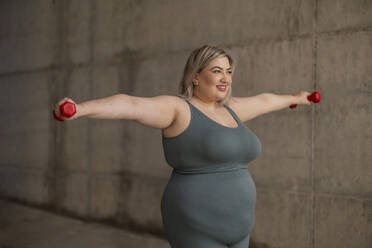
(225, 77)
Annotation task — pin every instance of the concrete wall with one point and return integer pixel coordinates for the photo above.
(314, 175)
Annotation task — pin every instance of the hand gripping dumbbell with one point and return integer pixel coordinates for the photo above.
(314, 97)
(67, 109)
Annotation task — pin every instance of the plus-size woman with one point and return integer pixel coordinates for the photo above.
(209, 201)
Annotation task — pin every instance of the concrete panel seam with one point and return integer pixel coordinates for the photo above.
(346, 197)
(329, 195)
(145, 54)
(129, 173)
(344, 31)
(91, 43)
(22, 167)
(34, 71)
(261, 189)
(314, 78)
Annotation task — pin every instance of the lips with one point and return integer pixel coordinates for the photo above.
(221, 87)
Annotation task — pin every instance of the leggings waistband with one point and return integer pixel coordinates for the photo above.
(210, 170)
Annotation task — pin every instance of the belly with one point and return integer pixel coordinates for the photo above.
(221, 205)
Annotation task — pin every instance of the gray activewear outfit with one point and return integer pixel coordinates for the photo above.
(210, 199)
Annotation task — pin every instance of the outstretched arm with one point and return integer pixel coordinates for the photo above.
(157, 112)
(248, 108)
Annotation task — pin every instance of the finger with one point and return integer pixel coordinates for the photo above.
(56, 109)
(57, 117)
(70, 100)
(66, 99)
(61, 101)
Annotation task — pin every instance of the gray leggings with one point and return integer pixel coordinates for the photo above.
(197, 241)
(209, 210)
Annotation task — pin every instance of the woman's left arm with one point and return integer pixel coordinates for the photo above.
(248, 108)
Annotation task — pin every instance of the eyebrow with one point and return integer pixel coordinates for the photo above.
(217, 67)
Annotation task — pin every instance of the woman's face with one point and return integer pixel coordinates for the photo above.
(214, 80)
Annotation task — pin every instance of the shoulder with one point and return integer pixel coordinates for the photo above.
(174, 100)
(234, 103)
(181, 119)
(168, 101)
(177, 103)
(248, 108)
(242, 102)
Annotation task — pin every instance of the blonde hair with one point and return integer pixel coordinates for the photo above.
(197, 61)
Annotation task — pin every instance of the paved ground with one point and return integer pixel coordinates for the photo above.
(25, 227)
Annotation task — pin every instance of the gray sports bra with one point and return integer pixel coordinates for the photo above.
(206, 146)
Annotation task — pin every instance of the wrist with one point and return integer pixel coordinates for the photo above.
(294, 100)
(80, 111)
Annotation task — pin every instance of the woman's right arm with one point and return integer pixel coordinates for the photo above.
(157, 112)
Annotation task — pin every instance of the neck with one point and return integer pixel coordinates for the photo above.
(204, 101)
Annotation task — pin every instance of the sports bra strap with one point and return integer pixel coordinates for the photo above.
(233, 113)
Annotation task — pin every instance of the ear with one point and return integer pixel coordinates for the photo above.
(195, 81)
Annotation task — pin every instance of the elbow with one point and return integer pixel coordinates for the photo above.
(268, 102)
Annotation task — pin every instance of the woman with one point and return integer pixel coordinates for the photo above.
(209, 201)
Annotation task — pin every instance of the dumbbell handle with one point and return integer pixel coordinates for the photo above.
(68, 109)
(314, 97)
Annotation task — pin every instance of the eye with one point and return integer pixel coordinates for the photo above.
(230, 72)
(216, 71)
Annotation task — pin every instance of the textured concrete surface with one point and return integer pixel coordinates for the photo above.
(313, 177)
(196, 22)
(344, 63)
(274, 209)
(336, 15)
(347, 220)
(25, 227)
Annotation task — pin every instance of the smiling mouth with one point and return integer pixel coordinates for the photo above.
(221, 87)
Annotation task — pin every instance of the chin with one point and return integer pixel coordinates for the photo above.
(219, 98)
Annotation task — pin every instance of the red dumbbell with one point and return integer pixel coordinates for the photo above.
(67, 109)
(314, 97)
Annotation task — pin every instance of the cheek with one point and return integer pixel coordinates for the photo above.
(212, 80)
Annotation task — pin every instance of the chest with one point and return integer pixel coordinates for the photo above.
(222, 145)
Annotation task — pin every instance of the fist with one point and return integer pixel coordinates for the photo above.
(57, 110)
(302, 98)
